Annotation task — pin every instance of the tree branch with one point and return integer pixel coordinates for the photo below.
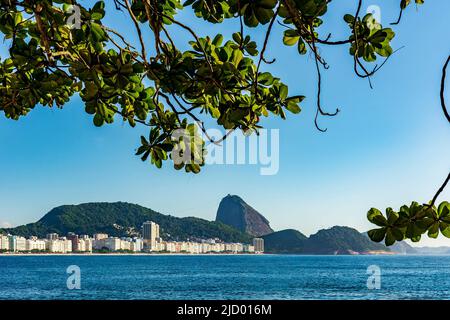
(444, 108)
(436, 196)
(444, 73)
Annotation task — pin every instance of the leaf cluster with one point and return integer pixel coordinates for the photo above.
(410, 222)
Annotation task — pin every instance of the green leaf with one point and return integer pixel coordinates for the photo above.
(98, 120)
(218, 40)
(293, 107)
(397, 233)
(413, 231)
(377, 235)
(97, 32)
(433, 232)
(301, 47)
(445, 229)
(290, 37)
(349, 18)
(237, 37)
(283, 91)
(392, 216)
(97, 16)
(265, 78)
(443, 210)
(390, 239)
(376, 217)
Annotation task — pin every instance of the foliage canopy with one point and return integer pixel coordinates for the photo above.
(61, 48)
(410, 222)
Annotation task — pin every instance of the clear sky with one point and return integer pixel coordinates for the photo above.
(389, 145)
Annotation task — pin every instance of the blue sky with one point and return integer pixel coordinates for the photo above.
(389, 145)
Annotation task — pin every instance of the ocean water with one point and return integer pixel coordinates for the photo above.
(225, 277)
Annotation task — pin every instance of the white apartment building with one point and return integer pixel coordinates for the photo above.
(59, 246)
(113, 244)
(98, 244)
(52, 236)
(4, 243)
(194, 247)
(85, 245)
(110, 243)
(217, 247)
(168, 246)
(136, 245)
(221, 247)
(17, 243)
(184, 247)
(35, 244)
(125, 244)
(234, 247)
(205, 247)
(249, 248)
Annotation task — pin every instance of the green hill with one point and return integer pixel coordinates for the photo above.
(336, 240)
(285, 241)
(122, 219)
(340, 240)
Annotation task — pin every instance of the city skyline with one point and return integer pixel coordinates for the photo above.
(148, 242)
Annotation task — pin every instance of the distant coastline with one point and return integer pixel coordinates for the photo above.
(122, 222)
(155, 254)
(25, 254)
(127, 254)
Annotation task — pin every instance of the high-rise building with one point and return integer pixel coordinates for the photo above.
(34, 244)
(98, 244)
(113, 244)
(74, 239)
(125, 244)
(85, 245)
(137, 245)
(59, 246)
(4, 243)
(17, 243)
(258, 243)
(150, 234)
(52, 236)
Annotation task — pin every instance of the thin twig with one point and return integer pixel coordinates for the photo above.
(436, 196)
(444, 73)
(139, 31)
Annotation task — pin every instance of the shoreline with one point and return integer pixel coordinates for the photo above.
(379, 254)
(125, 254)
(184, 254)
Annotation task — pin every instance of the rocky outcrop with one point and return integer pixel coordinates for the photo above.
(235, 212)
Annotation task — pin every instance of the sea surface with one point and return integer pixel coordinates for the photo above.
(225, 277)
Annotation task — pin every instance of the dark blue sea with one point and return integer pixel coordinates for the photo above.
(226, 277)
